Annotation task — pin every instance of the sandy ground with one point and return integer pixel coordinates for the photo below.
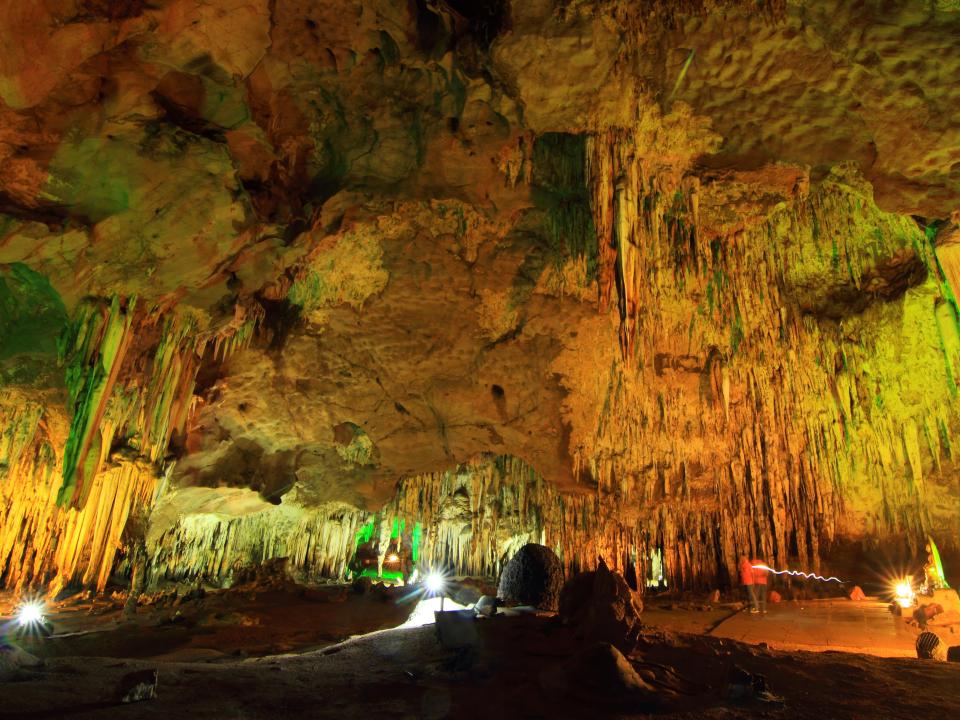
(866, 627)
(521, 667)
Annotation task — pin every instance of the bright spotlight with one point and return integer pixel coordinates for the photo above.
(903, 593)
(434, 582)
(393, 557)
(30, 613)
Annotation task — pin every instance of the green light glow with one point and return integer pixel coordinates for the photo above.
(936, 561)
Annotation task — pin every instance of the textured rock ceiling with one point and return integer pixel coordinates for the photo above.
(643, 247)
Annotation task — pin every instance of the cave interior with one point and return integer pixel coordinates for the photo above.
(314, 315)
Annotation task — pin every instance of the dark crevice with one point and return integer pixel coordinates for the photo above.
(183, 118)
(280, 317)
(486, 19)
(433, 36)
(54, 216)
(883, 283)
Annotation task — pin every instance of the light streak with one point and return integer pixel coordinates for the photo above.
(798, 573)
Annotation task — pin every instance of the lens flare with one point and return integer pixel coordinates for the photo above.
(393, 557)
(903, 593)
(434, 582)
(30, 614)
(798, 573)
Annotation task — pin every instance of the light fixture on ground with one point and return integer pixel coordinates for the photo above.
(30, 618)
(903, 593)
(436, 584)
(30, 613)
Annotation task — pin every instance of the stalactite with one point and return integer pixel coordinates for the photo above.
(40, 542)
(471, 520)
(214, 545)
(66, 494)
(808, 417)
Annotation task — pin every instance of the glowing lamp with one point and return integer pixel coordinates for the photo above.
(393, 557)
(30, 613)
(903, 593)
(434, 582)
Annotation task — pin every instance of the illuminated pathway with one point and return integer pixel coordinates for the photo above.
(840, 624)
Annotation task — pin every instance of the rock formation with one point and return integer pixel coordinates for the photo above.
(618, 278)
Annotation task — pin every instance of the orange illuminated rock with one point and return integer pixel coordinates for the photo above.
(638, 280)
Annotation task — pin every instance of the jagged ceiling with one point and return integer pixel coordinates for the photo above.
(641, 246)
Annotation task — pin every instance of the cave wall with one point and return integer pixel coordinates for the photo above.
(688, 270)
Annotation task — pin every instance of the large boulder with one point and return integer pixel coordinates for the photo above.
(601, 607)
(534, 577)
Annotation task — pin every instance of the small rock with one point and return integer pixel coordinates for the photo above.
(743, 685)
(138, 686)
(924, 613)
(486, 606)
(362, 585)
(465, 594)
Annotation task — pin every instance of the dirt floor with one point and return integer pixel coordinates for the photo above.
(205, 650)
(224, 625)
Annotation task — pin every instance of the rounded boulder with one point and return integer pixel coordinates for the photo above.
(534, 577)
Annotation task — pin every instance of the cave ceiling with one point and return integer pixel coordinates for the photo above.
(343, 243)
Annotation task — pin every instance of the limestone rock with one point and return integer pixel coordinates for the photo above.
(534, 577)
(575, 273)
(601, 607)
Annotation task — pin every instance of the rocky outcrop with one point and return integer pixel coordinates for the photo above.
(601, 607)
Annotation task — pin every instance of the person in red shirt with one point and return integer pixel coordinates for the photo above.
(760, 583)
(746, 579)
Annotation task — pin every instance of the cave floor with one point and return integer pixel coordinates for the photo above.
(238, 623)
(831, 624)
(404, 673)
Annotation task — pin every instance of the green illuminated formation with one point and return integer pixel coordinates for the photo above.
(96, 345)
(937, 562)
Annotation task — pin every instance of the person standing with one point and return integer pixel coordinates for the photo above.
(759, 568)
(746, 580)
